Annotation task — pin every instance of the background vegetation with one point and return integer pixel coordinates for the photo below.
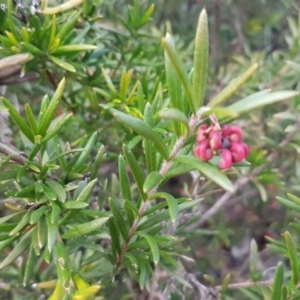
(78, 165)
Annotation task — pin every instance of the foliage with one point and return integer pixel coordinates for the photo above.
(104, 114)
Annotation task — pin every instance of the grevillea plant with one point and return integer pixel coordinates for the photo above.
(89, 236)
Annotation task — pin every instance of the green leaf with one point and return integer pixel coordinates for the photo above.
(86, 293)
(172, 204)
(142, 273)
(87, 191)
(254, 102)
(174, 115)
(120, 222)
(21, 224)
(90, 144)
(10, 216)
(277, 283)
(17, 250)
(52, 232)
(68, 26)
(124, 179)
(98, 161)
(57, 188)
(201, 59)
(131, 206)
(210, 171)
(289, 203)
(135, 169)
(152, 181)
(62, 50)
(179, 67)
(31, 119)
(292, 253)
(174, 86)
(225, 283)
(49, 135)
(152, 244)
(30, 264)
(84, 229)
(62, 64)
(164, 215)
(233, 86)
(114, 234)
(22, 125)
(51, 109)
(32, 49)
(74, 205)
(55, 212)
(37, 214)
(142, 129)
(62, 264)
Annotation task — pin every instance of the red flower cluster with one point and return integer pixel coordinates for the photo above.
(227, 140)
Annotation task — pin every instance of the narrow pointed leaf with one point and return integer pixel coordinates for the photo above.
(152, 180)
(153, 245)
(57, 128)
(144, 130)
(22, 125)
(75, 205)
(210, 171)
(63, 64)
(84, 229)
(172, 204)
(87, 191)
(90, 144)
(114, 234)
(52, 233)
(17, 250)
(181, 72)
(120, 222)
(292, 253)
(278, 281)
(233, 86)
(251, 102)
(31, 119)
(51, 109)
(201, 60)
(37, 214)
(135, 169)
(57, 188)
(124, 180)
(174, 115)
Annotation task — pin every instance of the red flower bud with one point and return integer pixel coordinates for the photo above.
(236, 134)
(246, 149)
(215, 141)
(226, 130)
(226, 160)
(237, 151)
(203, 151)
(202, 133)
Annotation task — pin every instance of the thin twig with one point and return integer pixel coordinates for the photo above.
(246, 284)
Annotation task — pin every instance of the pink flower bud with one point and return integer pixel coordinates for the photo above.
(202, 133)
(226, 130)
(237, 152)
(246, 149)
(226, 160)
(203, 151)
(236, 134)
(215, 140)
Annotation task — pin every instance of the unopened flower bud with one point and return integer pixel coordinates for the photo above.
(215, 140)
(226, 159)
(237, 151)
(246, 149)
(203, 151)
(201, 133)
(236, 134)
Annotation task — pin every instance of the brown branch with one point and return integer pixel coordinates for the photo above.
(16, 158)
